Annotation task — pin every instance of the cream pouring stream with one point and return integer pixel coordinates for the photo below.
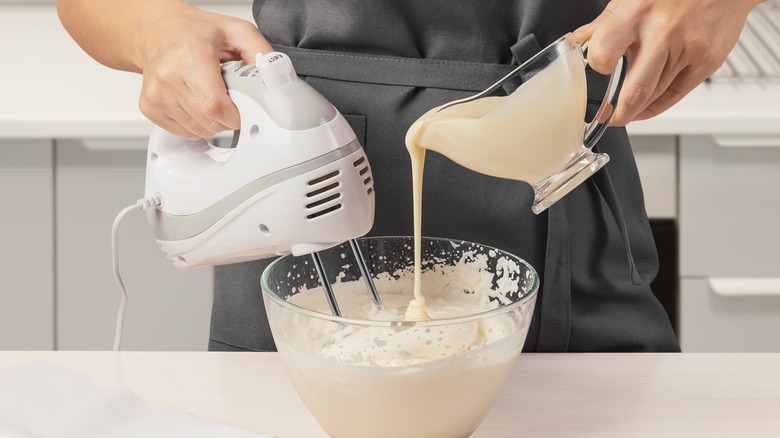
(526, 136)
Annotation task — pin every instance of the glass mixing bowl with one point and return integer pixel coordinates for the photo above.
(368, 373)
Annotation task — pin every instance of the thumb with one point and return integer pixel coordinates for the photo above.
(247, 42)
(583, 33)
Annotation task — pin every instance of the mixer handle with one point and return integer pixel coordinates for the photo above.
(596, 127)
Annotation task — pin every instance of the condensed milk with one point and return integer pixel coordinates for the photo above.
(528, 136)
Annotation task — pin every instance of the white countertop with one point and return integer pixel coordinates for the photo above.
(74, 96)
(548, 395)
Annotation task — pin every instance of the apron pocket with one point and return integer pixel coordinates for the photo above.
(358, 124)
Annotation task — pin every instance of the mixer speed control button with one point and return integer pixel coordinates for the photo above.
(276, 69)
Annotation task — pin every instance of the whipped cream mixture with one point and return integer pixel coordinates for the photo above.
(398, 346)
(403, 378)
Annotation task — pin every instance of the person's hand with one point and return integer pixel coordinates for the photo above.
(179, 55)
(673, 46)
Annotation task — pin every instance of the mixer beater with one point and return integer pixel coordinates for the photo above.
(362, 266)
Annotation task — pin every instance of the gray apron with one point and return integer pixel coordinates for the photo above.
(383, 63)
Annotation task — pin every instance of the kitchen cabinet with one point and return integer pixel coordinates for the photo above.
(57, 289)
(167, 309)
(656, 160)
(26, 245)
(730, 315)
(729, 206)
(730, 243)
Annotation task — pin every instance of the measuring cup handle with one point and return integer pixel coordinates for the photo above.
(596, 127)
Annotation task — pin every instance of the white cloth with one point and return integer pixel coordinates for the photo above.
(42, 400)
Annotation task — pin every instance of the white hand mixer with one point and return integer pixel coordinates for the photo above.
(295, 180)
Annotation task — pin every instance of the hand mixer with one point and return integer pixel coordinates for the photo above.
(295, 180)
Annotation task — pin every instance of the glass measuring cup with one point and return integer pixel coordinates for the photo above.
(528, 126)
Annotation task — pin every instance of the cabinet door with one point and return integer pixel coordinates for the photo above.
(167, 309)
(656, 160)
(26, 245)
(730, 206)
(730, 315)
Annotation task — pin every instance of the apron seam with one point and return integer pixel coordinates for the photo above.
(384, 84)
(324, 52)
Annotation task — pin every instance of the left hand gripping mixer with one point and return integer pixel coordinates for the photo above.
(295, 180)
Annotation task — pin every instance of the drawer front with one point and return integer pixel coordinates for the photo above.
(730, 314)
(729, 206)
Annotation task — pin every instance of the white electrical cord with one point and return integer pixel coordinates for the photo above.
(142, 204)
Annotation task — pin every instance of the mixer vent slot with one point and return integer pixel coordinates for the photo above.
(324, 212)
(323, 178)
(322, 190)
(324, 200)
(326, 194)
(364, 171)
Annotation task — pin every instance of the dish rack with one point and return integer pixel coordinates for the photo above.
(756, 57)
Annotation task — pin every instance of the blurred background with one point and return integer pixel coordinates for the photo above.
(72, 154)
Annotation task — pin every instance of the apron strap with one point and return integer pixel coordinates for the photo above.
(525, 47)
(408, 72)
(555, 297)
(604, 185)
(394, 70)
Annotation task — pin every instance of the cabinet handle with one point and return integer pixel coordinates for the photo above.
(745, 287)
(747, 141)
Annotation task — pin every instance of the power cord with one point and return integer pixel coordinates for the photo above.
(142, 204)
